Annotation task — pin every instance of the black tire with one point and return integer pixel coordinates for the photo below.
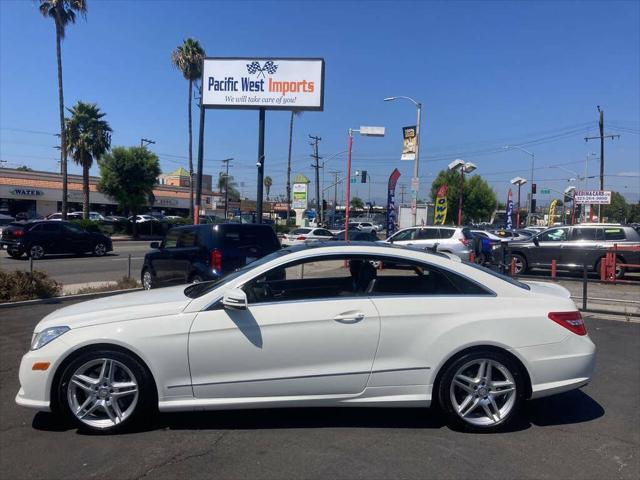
(147, 283)
(620, 272)
(196, 279)
(36, 251)
(14, 254)
(520, 260)
(445, 401)
(145, 405)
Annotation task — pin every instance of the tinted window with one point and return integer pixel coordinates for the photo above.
(446, 232)
(614, 234)
(553, 235)
(409, 234)
(171, 240)
(50, 227)
(586, 233)
(427, 233)
(323, 233)
(70, 227)
(36, 228)
(300, 231)
(188, 238)
(407, 278)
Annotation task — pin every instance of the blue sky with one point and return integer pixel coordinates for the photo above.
(487, 74)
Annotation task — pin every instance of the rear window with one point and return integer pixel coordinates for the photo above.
(301, 231)
(614, 234)
(235, 236)
(171, 240)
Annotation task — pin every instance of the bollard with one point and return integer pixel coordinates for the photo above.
(513, 266)
(584, 286)
(553, 269)
(129, 274)
(31, 266)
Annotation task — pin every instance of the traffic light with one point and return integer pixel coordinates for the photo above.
(363, 176)
(324, 205)
(533, 188)
(533, 205)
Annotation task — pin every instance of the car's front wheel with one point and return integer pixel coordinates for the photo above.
(100, 249)
(520, 263)
(106, 391)
(36, 251)
(481, 391)
(14, 253)
(147, 279)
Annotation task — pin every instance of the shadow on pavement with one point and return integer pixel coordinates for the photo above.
(568, 408)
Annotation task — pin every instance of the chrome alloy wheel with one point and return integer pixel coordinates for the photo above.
(147, 280)
(100, 249)
(519, 264)
(36, 252)
(102, 393)
(483, 392)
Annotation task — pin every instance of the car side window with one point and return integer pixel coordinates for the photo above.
(614, 234)
(401, 277)
(312, 279)
(187, 238)
(409, 234)
(427, 233)
(446, 232)
(323, 233)
(50, 227)
(554, 235)
(70, 227)
(36, 228)
(586, 233)
(171, 240)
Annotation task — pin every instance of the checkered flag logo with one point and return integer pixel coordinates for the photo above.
(269, 67)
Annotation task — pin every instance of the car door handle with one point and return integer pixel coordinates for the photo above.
(351, 317)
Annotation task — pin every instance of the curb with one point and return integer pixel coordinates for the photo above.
(86, 296)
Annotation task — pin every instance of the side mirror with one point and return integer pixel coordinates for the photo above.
(235, 299)
(155, 245)
(536, 242)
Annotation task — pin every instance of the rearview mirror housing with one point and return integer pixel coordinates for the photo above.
(235, 299)
(155, 245)
(535, 241)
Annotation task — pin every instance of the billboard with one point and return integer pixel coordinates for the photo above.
(299, 196)
(408, 143)
(269, 83)
(593, 197)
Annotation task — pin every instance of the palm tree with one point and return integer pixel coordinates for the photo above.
(88, 138)
(294, 113)
(227, 182)
(188, 59)
(63, 13)
(267, 184)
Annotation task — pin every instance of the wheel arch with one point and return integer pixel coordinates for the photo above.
(72, 355)
(477, 348)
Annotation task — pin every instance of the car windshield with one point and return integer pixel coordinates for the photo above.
(507, 279)
(198, 289)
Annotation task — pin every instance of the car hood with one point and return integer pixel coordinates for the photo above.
(545, 288)
(119, 308)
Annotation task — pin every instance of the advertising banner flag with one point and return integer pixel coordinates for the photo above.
(509, 225)
(552, 212)
(409, 143)
(391, 201)
(440, 215)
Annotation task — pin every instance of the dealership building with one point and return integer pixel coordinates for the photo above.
(37, 193)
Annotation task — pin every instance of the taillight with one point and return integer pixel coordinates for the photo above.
(18, 233)
(216, 260)
(464, 241)
(570, 320)
(301, 237)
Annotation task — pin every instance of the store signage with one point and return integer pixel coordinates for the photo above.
(593, 197)
(300, 196)
(270, 83)
(409, 143)
(26, 192)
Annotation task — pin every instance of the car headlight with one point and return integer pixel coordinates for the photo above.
(41, 339)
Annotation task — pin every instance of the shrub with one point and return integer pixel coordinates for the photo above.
(282, 228)
(125, 283)
(89, 225)
(16, 286)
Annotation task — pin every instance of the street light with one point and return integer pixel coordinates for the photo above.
(415, 181)
(570, 191)
(530, 201)
(366, 132)
(519, 181)
(467, 167)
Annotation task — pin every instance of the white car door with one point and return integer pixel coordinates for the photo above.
(307, 331)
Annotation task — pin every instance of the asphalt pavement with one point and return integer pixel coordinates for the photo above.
(589, 433)
(74, 269)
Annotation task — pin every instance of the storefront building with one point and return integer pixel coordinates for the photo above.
(38, 194)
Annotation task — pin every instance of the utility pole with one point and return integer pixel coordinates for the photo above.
(226, 188)
(602, 136)
(145, 141)
(335, 193)
(316, 166)
(402, 189)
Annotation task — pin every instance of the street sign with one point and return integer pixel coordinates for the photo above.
(545, 191)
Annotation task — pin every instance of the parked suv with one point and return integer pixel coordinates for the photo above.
(44, 237)
(197, 253)
(573, 246)
(456, 240)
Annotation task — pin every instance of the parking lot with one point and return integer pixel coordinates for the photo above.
(591, 433)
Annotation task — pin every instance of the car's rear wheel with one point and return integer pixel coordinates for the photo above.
(619, 270)
(100, 249)
(147, 279)
(520, 261)
(36, 251)
(106, 391)
(481, 391)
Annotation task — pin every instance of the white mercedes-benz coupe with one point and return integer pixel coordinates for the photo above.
(322, 325)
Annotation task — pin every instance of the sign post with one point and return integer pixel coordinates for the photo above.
(262, 84)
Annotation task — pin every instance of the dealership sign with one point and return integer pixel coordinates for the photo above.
(269, 83)
(300, 196)
(592, 197)
(26, 192)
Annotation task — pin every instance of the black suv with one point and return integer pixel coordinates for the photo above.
(197, 253)
(45, 237)
(573, 246)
